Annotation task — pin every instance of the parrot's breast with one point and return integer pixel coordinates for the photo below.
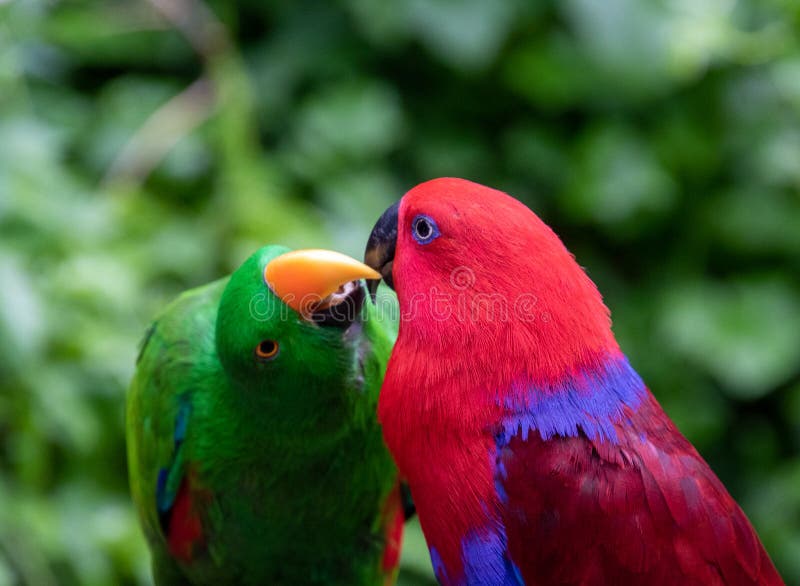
(457, 472)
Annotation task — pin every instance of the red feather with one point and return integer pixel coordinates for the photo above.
(185, 527)
(393, 521)
(647, 510)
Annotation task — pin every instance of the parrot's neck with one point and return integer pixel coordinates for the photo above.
(590, 400)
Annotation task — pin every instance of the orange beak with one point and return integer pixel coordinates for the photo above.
(304, 278)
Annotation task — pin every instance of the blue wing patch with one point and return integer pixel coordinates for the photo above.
(169, 477)
(590, 402)
(486, 560)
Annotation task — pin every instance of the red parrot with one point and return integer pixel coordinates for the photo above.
(534, 452)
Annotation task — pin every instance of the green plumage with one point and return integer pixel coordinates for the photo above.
(283, 459)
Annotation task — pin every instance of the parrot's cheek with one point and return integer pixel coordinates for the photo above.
(340, 309)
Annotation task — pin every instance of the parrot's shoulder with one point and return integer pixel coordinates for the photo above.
(180, 339)
(192, 313)
(643, 507)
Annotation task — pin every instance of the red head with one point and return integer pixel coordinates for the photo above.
(478, 274)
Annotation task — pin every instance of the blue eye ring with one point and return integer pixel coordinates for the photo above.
(424, 229)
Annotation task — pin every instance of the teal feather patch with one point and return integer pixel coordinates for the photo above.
(169, 477)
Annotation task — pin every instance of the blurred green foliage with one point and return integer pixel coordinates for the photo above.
(147, 147)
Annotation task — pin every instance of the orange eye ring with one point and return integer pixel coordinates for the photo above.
(267, 350)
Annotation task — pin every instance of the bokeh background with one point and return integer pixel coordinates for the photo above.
(149, 146)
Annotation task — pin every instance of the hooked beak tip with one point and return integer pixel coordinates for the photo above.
(372, 288)
(380, 250)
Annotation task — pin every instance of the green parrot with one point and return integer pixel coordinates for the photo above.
(254, 452)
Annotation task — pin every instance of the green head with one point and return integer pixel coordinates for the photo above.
(299, 372)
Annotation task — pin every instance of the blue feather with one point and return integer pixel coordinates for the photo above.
(168, 480)
(590, 402)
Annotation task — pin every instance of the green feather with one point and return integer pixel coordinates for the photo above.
(289, 467)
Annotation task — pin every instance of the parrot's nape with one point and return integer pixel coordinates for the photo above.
(254, 452)
(534, 452)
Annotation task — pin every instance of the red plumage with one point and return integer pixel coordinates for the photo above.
(185, 531)
(637, 512)
(393, 519)
(533, 451)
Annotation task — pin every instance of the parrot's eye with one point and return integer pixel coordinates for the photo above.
(267, 350)
(424, 229)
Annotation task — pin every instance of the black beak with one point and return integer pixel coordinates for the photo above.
(379, 254)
